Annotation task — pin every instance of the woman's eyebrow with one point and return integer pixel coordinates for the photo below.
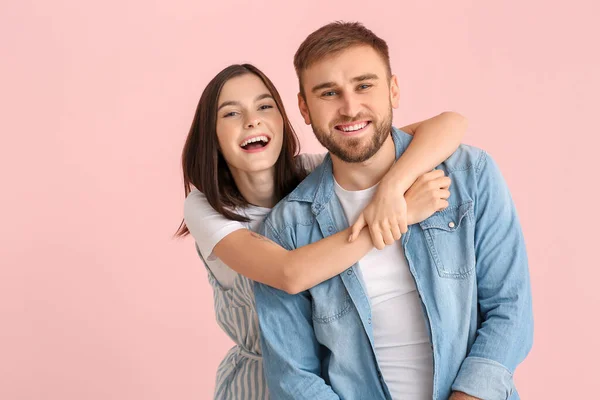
(237, 103)
(264, 96)
(228, 103)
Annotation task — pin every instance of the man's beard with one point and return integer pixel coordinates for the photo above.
(352, 150)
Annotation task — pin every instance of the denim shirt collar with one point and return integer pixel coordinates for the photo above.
(318, 187)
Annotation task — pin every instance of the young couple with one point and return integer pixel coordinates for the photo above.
(427, 296)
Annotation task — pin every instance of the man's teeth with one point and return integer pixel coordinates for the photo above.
(255, 139)
(353, 128)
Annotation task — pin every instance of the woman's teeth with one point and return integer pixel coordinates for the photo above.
(264, 139)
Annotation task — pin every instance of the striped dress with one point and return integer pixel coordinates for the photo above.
(240, 374)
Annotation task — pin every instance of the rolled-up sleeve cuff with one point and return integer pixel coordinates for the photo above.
(484, 379)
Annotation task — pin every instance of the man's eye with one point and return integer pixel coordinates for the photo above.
(329, 93)
(364, 86)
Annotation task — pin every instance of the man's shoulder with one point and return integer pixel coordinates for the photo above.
(296, 207)
(289, 211)
(465, 158)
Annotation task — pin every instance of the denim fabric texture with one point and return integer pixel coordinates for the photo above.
(470, 267)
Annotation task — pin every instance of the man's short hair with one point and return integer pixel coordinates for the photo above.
(334, 38)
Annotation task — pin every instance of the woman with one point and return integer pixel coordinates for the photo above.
(239, 160)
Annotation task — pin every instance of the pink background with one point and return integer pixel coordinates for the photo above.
(98, 302)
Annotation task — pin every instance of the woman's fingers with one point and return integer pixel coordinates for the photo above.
(376, 237)
(442, 204)
(388, 238)
(396, 233)
(443, 194)
(443, 182)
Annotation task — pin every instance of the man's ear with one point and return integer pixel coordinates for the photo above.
(394, 92)
(303, 109)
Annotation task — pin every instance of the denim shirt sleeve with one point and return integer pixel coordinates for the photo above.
(290, 349)
(504, 294)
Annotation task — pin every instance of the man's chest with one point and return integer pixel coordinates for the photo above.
(385, 273)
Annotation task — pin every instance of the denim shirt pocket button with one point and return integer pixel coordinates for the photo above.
(450, 238)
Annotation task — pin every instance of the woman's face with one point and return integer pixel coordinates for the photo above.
(249, 124)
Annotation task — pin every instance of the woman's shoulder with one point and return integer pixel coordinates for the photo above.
(197, 210)
(206, 224)
(195, 201)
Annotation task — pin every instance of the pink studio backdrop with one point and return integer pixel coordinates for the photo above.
(98, 302)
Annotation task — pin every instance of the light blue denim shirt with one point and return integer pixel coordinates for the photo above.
(470, 268)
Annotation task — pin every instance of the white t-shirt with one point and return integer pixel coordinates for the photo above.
(208, 227)
(402, 344)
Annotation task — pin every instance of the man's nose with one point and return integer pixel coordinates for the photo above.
(350, 106)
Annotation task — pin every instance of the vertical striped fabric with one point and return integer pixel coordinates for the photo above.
(240, 374)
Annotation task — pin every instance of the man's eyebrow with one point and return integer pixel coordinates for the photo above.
(237, 103)
(360, 78)
(322, 86)
(365, 77)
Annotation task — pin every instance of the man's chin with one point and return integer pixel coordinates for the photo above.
(352, 156)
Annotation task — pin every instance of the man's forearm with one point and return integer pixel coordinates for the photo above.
(505, 335)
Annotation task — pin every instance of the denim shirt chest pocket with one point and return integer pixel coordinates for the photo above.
(450, 236)
(331, 301)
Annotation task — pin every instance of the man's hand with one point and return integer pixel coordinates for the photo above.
(385, 215)
(462, 396)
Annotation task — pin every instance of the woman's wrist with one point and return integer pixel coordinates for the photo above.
(397, 181)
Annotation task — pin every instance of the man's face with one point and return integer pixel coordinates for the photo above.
(349, 101)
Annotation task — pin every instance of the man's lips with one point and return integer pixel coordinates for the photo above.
(353, 128)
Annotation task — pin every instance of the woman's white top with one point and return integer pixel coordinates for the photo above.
(208, 227)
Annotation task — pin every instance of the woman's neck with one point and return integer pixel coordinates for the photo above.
(258, 188)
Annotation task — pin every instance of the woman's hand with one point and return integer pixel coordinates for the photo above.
(391, 210)
(427, 195)
(386, 216)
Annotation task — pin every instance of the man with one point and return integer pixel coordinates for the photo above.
(446, 312)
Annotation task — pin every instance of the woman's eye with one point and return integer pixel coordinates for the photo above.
(265, 107)
(230, 114)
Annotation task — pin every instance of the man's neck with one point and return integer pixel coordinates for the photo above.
(258, 188)
(360, 176)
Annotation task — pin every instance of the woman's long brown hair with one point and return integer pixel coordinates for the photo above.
(203, 164)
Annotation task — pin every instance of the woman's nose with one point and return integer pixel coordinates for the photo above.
(253, 123)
